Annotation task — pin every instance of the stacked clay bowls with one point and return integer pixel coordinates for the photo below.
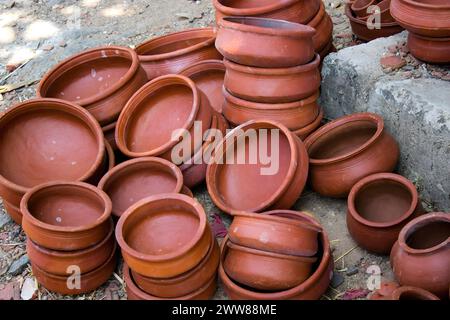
(432, 50)
(323, 38)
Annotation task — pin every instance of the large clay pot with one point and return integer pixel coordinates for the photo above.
(100, 80)
(345, 150)
(432, 50)
(304, 132)
(412, 293)
(360, 7)
(324, 28)
(421, 256)
(13, 212)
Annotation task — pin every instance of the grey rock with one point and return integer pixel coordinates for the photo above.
(4, 219)
(337, 280)
(352, 271)
(19, 265)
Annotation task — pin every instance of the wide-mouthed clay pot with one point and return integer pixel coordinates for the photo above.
(323, 25)
(136, 179)
(345, 150)
(379, 206)
(235, 179)
(412, 293)
(432, 50)
(66, 216)
(360, 7)
(304, 132)
(164, 236)
(109, 132)
(100, 80)
(266, 43)
(421, 256)
(272, 85)
(148, 123)
(13, 212)
(173, 52)
(383, 10)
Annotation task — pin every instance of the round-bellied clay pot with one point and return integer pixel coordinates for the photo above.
(163, 236)
(109, 132)
(345, 150)
(304, 132)
(433, 50)
(252, 41)
(272, 85)
(148, 122)
(412, 293)
(13, 212)
(66, 216)
(421, 256)
(208, 77)
(323, 25)
(136, 179)
(234, 182)
(379, 206)
(100, 80)
(360, 7)
(173, 52)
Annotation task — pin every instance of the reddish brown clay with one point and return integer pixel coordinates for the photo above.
(412, 293)
(360, 7)
(433, 50)
(13, 212)
(186, 191)
(109, 133)
(323, 25)
(304, 132)
(384, 12)
(109, 161)
(385, 291)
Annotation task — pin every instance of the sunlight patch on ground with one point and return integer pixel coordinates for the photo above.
(114, 11)
(7, 35)
(8, 18)
(20, 54)
(90, 3)
(40, 29)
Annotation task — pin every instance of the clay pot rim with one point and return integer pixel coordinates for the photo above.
(320, 15)
(110, 154)
(251, 11)
(352, 18)
(405, 183)
(202, 225)
(310, 126)
(202, 66)
(397, 293)
(62, 106)
(362, 7)
(421, 37)
(110, 126)
(83, 57)
(425, 5)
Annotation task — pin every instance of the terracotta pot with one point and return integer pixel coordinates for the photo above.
(379, 206)
(66, 216)
(324, 28)
(360, 7)
(385, 291)
(208, 77)
(109, 133)
(109, 161)
(345, 150)
(421, 256)
(163, 236)
(100, 80)
(304, 132)
(251, 41)
(160, 107)
(412, 293)
(272, 85)
(136, 179)
(13, 212)
(186, 191)
(384, 12)
(326, 51)
(173, 52)
(432, 50)
(236, 186)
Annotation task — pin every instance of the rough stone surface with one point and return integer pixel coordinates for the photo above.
(18, 266)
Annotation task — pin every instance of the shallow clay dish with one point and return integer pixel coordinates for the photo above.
(323, 25)
(412, 293)
(433, 50)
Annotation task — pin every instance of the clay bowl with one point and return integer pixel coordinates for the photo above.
(208, 77)
(148, 121)
(66, 216)
(412, 293)
(323, 25)
(421, 256)
(275, 234)
(272, 85)
(360, 7)
(100, 80)
(109, 161)
(164, 236)
(379, 206)
(345, 150)
(186, 191)
(304, 132)
(136, 179)
(234, 183)
(173, 52)
(432, 50)
(109, 133)
(13, 212)
(251, 41)
(385, 11)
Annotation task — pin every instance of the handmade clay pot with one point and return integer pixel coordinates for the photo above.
(326, 51)
(379, 206)
(109, 161)
(345, 150)
(109, 133)
(272, 85)
(251, 41)
(66, 216)
(173, 52)
(433, 50)
(384, 12)
(136, 179)
(304, 132)
(163, 236)
(421, 256)
(360, 7)
(186, 191)
(384, 291)
(412, 293)
(13, 212)
(323, 25)
(100, 80)
(235, 185)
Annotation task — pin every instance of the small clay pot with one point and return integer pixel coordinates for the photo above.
(304, 132)
(384, 12)
(136, 179)
(13, 212)
(272, 85)
(186, 191)
(164, 236)
(66, 216)
(173, 52)
(345, 150)
(359, 7)
(109, 133)
(432, 50)
(109, 161)
(412, 293)
(323, 25)
(421, 256)
(251, 41)
(379, 206)
(100, 80)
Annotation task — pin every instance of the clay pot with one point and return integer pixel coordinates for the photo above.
(323, 25)
(326, 51)
(109, 133)
(13, 212)
(208, 77)
(100, 80)
(412, 293)
(136, 179)
(385, 12)
(66, 216)
(272, 85)
(163, 236)
(304, 132)
(173, 52)
(379, 206)
(109, 161)
(385, 291)
(235, 186)
(345, 150)
(186, 191)
(421, 256)
(251, 41)
(432, 50)
(359, 7)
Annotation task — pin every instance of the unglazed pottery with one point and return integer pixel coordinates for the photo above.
(173, 52)
(252, 41)
(100, 80)
(304, 132)
(412, 293)
(13, 212)
(385, 12)
(109, 161)
(432, 50)
(345, 150)
(186, 191)
(323, 25)
(384, 291)
(379, 206)
(109, 133)
(359, 7)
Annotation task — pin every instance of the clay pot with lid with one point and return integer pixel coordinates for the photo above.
(412, 293)
(101, 80)
(432, 50)
(323, 25)
(251, 41)
(304, 132)
(359, 7)
(347, 149)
